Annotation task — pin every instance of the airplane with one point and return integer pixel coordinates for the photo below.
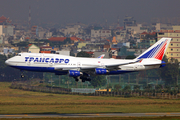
(81, 68)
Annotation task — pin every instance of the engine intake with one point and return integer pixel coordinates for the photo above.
(101, 71)
(74, 73)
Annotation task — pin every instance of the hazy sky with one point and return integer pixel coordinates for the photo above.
(89, 11)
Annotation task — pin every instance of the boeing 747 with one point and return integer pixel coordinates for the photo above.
(82, 68)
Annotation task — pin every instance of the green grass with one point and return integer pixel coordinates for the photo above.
(15, 101)
(102, 118)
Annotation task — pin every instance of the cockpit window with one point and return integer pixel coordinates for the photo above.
(19, 55)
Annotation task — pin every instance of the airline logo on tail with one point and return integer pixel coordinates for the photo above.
(156, 51)
(101, 56)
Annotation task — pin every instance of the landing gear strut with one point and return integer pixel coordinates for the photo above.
(76, 79)
(83, 80)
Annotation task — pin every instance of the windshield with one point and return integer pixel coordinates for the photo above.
(18, 54)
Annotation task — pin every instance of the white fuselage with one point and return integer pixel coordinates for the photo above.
(60, 63)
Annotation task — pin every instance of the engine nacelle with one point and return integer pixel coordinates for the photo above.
(101, 71)
(74, 73)
(163, 64)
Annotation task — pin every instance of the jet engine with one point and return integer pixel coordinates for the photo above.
(163, 64)
(101, 71)
(74, 73)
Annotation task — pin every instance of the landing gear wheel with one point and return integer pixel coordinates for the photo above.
(76, 79)
(22, 76)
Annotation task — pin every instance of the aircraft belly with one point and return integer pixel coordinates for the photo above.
(119, 72)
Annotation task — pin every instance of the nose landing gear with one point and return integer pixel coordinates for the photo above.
(22, 74)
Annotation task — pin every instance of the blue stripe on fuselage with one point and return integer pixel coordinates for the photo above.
(51, 69)
(40, 69)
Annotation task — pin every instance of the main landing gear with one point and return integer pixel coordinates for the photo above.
(76, 79)
(82, 78)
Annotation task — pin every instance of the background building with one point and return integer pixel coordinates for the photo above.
(33, 49)
(129, 21)
(6, 28)
(173, 50)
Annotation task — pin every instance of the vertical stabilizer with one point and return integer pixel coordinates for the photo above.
(157, 50)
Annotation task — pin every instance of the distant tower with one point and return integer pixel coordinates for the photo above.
(118, 21)
(29, 20)
(106, 24)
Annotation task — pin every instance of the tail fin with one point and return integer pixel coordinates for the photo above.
(101, 56)
(157, 50)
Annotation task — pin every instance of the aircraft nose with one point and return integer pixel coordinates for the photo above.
(7, 62)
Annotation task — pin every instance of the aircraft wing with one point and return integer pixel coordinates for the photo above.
(64, 68)
(76, 68)
(112, 66)
(93, 67)
(116, 65)
(155, 64)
